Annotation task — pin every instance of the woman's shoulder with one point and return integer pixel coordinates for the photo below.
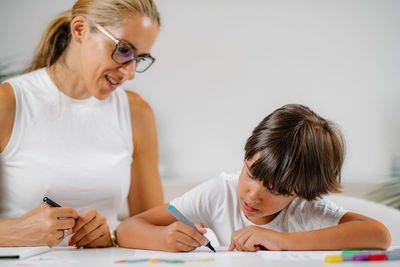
(7, 113)
(137, 103)
(142, 116)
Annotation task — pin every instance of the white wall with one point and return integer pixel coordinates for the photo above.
(224, 65)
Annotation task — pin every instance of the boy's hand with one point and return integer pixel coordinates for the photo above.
(181, 237)
(251, 238)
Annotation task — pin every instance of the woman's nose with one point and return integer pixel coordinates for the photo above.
(128, 70)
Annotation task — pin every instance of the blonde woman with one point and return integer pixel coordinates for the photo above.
(70, 133)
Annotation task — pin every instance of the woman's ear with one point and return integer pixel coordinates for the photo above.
(80, 27)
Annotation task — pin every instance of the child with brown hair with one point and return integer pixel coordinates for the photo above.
(292, 159)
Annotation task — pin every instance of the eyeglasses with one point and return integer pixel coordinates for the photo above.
(124, 52)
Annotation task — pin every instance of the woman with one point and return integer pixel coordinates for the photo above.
(69, 133)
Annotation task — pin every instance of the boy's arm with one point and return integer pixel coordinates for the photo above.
(354, 231)
(157, 229)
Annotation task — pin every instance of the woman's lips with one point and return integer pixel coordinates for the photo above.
(248, 208)
(112, 82)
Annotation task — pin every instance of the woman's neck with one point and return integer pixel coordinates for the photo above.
(68, 78)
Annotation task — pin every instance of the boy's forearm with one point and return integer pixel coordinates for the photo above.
(138, 233)
(350, 235)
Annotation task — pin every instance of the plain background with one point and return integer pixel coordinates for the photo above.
(223, 65)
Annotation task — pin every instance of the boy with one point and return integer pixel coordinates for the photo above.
(292, 159)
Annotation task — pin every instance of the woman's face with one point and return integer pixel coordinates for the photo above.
(101, 74)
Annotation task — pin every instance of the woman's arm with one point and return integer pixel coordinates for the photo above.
(7, 114)
(41, 226)
(157, 229)
(145, 190)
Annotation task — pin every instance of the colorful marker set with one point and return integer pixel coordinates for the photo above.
(172, 261)
(364, 255)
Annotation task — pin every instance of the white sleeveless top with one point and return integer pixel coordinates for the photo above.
(76, 152)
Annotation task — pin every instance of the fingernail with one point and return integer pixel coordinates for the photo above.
(69, 243)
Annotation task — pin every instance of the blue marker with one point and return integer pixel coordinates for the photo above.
(179, 216)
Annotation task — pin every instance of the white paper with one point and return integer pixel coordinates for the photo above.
(22, 252)
(295, 255)
(199, 253)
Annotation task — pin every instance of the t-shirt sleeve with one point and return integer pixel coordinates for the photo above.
(199, 204)
(317, 214)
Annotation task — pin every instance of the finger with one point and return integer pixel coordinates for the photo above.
(100, 242)
(189, 231)
(240, 243)
(69, 231)
(200, 228)
(64, 212)
(252, 243)
(187, 239)
(235, 243)
(54, 238)
(232, 245)
(250, 246)
(84, 219)
(84, 230)
(184, 247)
(62, 224)
(99, 232)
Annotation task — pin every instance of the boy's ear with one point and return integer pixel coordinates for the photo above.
(80, 27)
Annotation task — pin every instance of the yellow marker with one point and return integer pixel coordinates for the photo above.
(154, 260)
(333, 258)
(205, 260)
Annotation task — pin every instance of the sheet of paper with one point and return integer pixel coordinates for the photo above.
(202, 252)
(295, 255)
(22, 252)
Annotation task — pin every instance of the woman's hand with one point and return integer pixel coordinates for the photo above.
(253, 238)
(42, 226)
(91, 231)
(180, 237)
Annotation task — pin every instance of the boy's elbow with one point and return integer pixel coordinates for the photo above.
(385, 240)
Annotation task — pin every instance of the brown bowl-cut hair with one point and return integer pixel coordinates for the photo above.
(298, 152)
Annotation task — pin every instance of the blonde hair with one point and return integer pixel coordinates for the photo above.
(57, 35)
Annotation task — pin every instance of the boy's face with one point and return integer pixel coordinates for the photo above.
(259, 204)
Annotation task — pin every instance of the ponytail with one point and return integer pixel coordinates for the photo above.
(53, 42)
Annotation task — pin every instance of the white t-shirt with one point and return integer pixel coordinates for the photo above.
(216, 205)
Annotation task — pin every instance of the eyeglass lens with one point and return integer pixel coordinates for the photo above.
(124, 54)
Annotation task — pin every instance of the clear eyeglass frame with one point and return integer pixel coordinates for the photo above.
(124, 52)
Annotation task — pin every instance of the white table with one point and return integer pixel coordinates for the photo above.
(108, 256)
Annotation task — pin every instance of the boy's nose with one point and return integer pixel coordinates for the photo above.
(254, 195)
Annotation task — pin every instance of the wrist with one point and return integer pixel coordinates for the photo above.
(114, 239)
(289, 241)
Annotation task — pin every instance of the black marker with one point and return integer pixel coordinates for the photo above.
(50, 202)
